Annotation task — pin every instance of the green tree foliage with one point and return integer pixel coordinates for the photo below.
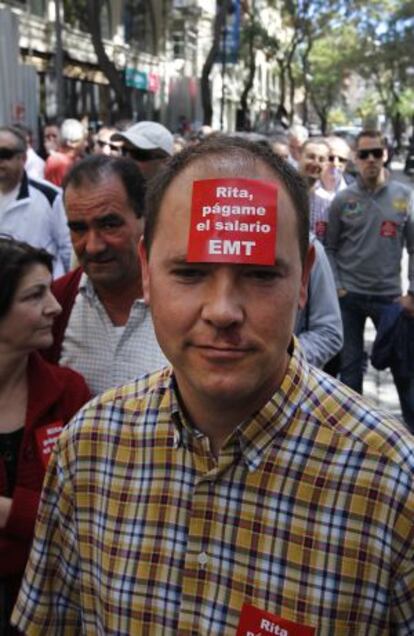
(330, 60)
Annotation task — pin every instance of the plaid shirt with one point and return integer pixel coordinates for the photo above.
(307, 513)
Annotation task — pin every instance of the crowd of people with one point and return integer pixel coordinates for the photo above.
(228, 469)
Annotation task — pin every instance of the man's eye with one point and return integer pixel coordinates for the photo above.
(188, 273)
(110, 224)
(77, 228)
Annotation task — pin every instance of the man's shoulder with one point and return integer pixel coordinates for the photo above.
(357, 421)
(44, 189)
(130, 407)
(396, 188)
(141, 398)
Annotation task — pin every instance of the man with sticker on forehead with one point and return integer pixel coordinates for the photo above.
(241, 490)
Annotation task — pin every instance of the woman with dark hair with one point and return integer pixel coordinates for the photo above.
(36, 400)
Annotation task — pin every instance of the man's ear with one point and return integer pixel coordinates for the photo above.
(306, 271)
(142, 252)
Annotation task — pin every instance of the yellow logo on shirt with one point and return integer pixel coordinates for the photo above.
(401, 205)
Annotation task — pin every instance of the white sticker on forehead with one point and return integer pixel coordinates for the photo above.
(233, 221)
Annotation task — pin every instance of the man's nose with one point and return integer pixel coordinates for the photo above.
(94, 243)
(223, 304)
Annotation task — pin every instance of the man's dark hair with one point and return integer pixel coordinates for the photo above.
(16, 258)
(95, 169)
(371, 134)
(21, 143)
(227, 146)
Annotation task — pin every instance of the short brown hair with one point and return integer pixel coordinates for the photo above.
(224, 145)
(372, 134)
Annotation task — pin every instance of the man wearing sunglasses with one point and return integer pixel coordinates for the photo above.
(369, 223)
(104, 145)
(30, 210)
(147, 143)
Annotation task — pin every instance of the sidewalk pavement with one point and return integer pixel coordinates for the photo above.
(378, 385)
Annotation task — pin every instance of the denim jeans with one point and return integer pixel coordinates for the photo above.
(355, 309)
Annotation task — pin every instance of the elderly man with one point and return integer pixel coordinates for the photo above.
(241, 490)
(297, 136)
(105, 330)
(147, 143)
(30, 210)
(369, 223)
(72, 141)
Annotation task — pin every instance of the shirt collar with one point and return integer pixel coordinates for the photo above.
(256, 434)
(86, 288)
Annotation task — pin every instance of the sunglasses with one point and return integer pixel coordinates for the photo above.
(340, 159)
(102, 144)
(9, 153)
(143, 155)
(377, 153)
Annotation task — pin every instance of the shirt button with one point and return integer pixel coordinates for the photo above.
(202, 559)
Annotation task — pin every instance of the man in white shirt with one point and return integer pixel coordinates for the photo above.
(105, 330)
(30, 209)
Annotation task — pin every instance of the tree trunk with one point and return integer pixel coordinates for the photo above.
(282, 80)
(122, 92)
(206, 101)
(249, 83)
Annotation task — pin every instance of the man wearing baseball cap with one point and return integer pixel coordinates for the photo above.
(148, 143)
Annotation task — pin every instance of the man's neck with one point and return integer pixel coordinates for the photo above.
(375, 184)
(118, 300)
(7, 188)
(218, 418)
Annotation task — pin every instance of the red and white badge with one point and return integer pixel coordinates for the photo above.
(321, 229)
(46, 437)
(388, 229)
(233, 221)
(256, 622)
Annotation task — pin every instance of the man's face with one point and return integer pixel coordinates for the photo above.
(313, 159)
(370, 157)
(339, 154)
(295, 147)
(225, 328)
(105, 232)
(12, 162)
(149, 162)
(281, 149)
(51, 138)
(103, 144)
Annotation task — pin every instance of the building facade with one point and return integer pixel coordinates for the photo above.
(158, 48)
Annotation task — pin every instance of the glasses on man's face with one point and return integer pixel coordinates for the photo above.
(377, 153)
(112, 147)
(340, 159)
(9, 153)
(139, 154)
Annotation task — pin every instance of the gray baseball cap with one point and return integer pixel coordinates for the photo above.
(148, 135)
